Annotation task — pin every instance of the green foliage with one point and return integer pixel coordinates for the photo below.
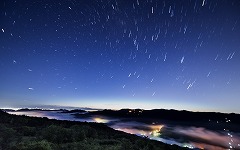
(6, 136)
(27, 131)
(78, 133)
(90, 132)
(126, 144)
(57, 134)
(33, 145)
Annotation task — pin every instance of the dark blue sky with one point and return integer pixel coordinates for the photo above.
(179, 54)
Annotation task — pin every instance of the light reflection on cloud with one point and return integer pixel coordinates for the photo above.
(207, 146)
(48, 114)
(139, 128)
(100, 120)
(208, 137)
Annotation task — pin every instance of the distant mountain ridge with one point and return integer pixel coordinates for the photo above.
(171, 114)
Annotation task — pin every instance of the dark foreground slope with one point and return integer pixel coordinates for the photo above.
(25, 133)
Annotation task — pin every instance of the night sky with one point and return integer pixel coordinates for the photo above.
(172, 54)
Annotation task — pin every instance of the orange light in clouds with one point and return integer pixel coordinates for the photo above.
(156, 130)
(100, 120)
(156, 127)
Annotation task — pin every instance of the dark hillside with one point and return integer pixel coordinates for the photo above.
(25, 133)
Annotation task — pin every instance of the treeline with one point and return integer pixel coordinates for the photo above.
(28, 133)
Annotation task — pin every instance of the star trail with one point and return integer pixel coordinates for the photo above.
(173, 54)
